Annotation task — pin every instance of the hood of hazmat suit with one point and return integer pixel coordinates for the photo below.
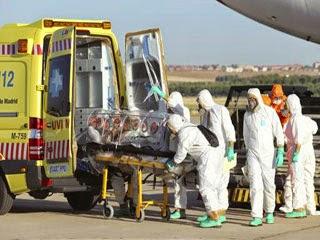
(175, 102)
(191, 141)
(260, 127)
(205, 99)
(278, 102)
(294, 105)
(175, 123)
(300, 129)
(277, 92)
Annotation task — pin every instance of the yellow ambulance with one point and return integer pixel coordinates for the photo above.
(53, 74)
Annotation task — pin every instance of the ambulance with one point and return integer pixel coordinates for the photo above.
(53, 74)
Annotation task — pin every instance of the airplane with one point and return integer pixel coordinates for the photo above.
(299, 18)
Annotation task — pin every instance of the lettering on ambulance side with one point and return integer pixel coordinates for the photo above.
(58, 169)
(7, 78)
(59, 124)
(18, 136)
(8, 100)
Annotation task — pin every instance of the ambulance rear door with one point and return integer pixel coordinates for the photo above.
(145, 68)
(58, 105)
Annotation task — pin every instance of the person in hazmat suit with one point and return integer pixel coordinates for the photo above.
(176, 106)
(299, 133)
(278, 101)
(216, 118)
(261, 125)
(191, 141)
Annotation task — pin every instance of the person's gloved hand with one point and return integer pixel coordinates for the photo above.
(157, 90)
(170, 165)
(280, 158)
(230, 154)
(295, 157)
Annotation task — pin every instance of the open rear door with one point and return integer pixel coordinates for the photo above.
(145, 68)
(58, 105)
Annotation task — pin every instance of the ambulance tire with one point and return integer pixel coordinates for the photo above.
(39, 194)
(6, 200)
(81, 201)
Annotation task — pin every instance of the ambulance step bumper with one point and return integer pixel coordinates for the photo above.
(62, 185)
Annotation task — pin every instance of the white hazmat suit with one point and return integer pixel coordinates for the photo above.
(175, 103)
(191, 141)
(217, 119)
(299, 187)
(260, 127)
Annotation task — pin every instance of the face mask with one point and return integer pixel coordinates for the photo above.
(285, 112)
(252, 104)
(201, 111)
(277, 102)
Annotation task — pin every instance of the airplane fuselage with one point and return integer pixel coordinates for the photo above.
(300, 18)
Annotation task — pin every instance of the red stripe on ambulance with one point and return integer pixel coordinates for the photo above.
(14, 151)
(61, 45)
(57, 149)
(37, 49)
(8, 49)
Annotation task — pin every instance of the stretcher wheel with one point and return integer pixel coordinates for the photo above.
(107, 211)
(165, 214)
(141, 217)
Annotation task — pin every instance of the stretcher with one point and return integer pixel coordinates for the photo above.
(140, 140)
(140, 163)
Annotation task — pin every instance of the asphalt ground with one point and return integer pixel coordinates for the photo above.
(54, 219)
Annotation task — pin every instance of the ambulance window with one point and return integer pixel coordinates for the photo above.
(46, 42)
(58, 92)
(143, 71)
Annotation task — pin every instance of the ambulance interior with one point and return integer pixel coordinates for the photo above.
(97, 118)
(96, 79)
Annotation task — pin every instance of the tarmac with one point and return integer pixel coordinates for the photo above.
(54, 219)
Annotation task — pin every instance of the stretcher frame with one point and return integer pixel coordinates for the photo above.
(139, 164)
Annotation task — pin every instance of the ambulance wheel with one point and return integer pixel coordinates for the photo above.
(141, 217)
(39, 194)
(6, 200)
(81, 201)
(107, 211)
(165, 214)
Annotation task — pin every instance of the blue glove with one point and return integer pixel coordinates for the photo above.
(230, 153)
(280, 157)
(157, 90)
(295, 157)
(170, 165)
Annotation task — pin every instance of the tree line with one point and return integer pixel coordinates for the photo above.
(222, 84)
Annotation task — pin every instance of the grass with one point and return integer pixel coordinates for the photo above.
(191, 103)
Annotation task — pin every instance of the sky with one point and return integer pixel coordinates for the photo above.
(194, 31)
